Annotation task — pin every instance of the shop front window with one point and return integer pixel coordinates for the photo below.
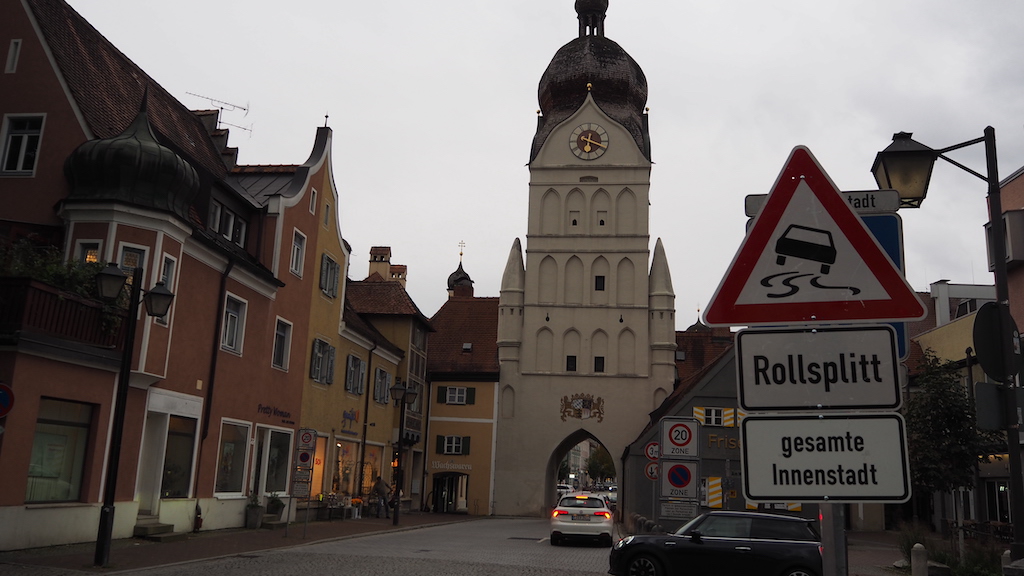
(234, 438)
(58, 451)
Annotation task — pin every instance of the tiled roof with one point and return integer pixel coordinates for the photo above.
(461, 321)
(377, 296)
(357, 324)
(108, 87)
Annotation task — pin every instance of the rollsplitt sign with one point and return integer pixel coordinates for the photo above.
(849, 367)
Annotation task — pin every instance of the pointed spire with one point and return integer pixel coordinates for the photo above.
(514, 277)
(661, 278)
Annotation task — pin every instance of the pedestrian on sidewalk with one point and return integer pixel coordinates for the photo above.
(381, 489)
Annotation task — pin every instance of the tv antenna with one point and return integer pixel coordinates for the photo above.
(225, 106)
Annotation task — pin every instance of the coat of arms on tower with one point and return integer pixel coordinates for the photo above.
(582, 406)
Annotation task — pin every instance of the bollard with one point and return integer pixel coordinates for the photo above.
(918, 560)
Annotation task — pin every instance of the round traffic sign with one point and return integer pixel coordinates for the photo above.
(651, 470)
(680, 434)
(679, 476)
(6, 399)
(305, 457)
(651, 450)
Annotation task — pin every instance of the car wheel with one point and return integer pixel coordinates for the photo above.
(798, 572)
(644, 565)
(606, 540)
(555, 539)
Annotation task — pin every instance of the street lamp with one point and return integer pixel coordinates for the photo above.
(909, 164)
(404, 395)
(110, 284)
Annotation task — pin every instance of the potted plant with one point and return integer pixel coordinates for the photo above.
(274, 504)
(254, 511)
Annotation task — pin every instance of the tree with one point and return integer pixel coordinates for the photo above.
(600, 464)
(945, 444)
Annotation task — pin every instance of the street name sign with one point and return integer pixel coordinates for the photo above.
(862, 202)
(809, 259)
(847, 367)
(825, 458)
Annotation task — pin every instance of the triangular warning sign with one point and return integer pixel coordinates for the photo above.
(808, 259)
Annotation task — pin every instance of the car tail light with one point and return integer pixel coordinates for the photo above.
(605, 514)
(557, 513)
(821, 550)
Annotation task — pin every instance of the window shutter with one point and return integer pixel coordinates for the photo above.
(440, 445)
(470, 395)
(362, 377)
(465, 445)
(335, 275)
(325, 271)
(313, 372)
(442, 394)
(330, 365)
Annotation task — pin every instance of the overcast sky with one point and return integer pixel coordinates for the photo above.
(433, 107)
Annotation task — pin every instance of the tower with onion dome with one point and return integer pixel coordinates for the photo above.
(586, 327)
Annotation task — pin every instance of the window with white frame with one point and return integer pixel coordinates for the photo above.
(21, 138)
(298, 252)
(321, 362)
(132, 258)
(381, 387)
(282, 344)
(13, 52)
(330, 274)
(226, 223)
(355, 375)
(713, 416)
(456, 395)
(312, 201)
(327, 215)
(453, 445)
(167, 277)
(234, 325)
(88, 251)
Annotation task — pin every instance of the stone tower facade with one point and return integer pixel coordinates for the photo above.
(586, 327)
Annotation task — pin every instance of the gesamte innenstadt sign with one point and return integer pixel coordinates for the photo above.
(846, 367)
(834, 458)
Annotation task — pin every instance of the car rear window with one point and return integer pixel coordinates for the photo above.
(771, 529)
(573, 502)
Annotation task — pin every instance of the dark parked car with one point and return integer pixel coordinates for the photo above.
(724, 544)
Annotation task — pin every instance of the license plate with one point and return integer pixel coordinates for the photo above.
(580, 518)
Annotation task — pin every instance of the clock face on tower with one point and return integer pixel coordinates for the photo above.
(589, 141)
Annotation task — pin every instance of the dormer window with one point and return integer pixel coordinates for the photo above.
(467, 346)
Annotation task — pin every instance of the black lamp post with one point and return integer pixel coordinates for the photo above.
(404, 395)
(110, 283)
(906, 166)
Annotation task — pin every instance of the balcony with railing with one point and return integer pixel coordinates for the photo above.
(32, 310)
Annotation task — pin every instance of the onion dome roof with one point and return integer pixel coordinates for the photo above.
(459, 278)
(134, 168)
(596, 65)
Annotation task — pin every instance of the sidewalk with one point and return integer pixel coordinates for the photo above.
(872, 553)
(134, 553)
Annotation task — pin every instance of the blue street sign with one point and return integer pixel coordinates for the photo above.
(888, 230)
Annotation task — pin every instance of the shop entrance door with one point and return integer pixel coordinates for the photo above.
(450, 491)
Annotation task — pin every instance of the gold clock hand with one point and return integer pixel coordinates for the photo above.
(585, 139)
